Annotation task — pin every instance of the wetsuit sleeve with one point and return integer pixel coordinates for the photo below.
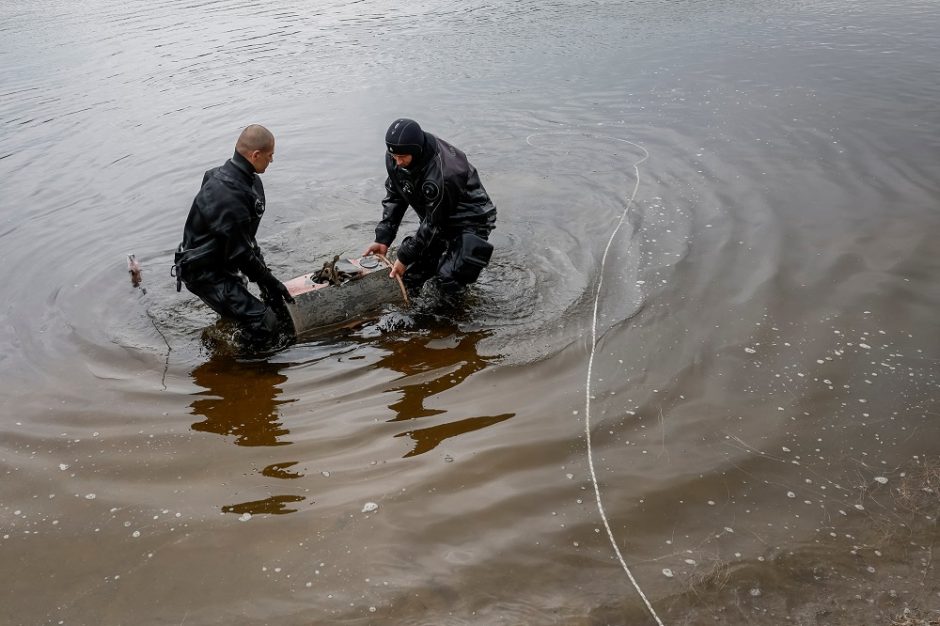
(393, 210)
(253, 266)
(242, 251)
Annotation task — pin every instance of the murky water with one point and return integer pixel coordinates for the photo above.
(761, 330)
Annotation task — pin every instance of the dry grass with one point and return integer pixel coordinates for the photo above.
(919, 491)
(714, 578)
(918, 494)
(916, 618)
(909, 507)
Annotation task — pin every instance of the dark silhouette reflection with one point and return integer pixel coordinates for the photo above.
(426, 439)
(454, 356)
(279, 470)
(275, 505)
(240, 399)
(437, 361)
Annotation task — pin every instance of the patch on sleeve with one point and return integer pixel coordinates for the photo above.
(430, 191)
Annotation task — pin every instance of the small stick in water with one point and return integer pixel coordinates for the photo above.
(133, 268)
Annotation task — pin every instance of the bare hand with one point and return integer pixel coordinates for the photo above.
(376, 248)
(398, 270)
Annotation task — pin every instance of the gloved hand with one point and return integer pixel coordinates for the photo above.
(275, 289)
(283, 293)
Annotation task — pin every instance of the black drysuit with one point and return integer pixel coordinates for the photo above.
(456, 216)
(219, 242)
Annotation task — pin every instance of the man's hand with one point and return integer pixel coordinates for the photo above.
(376, 248)
(273, 289)
(284, 293)
(398, 270)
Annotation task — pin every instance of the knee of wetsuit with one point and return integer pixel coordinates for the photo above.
(414, 281)
(450, 287)
(261, 327)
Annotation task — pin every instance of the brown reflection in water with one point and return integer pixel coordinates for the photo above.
(426, 439)
(275, 505)
(240, 399)
(441, 360)
(279, 470)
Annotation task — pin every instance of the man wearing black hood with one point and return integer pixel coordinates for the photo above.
(457, 215)
(219, 243)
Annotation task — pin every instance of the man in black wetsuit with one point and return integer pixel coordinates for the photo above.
(219, 245)
(456, 214)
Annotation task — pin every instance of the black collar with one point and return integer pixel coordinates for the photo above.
(244, 166)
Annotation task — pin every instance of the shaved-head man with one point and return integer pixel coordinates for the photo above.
(256, 144)
(219, 245)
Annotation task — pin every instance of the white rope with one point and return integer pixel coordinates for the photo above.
(587, 391)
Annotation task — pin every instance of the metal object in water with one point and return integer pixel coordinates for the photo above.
(343, 291)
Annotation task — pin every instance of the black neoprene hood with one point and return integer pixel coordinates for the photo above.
(405, 136)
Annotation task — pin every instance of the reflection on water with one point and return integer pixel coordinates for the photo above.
(426, 439)
(780, 244)
(279, 470)
(275, 505)
(241, 400)
(432, 364)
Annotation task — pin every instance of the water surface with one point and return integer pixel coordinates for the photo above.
(729, 210)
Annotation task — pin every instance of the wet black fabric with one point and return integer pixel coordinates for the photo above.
(446, 193)
(456, 262)
(223, 222)
(219, 242)
(228, 296)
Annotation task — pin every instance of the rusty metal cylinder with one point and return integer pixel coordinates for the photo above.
(363, 288)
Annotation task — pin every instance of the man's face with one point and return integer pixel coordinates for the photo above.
(261, 159)
(402, 160)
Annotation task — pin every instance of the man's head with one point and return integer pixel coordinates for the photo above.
(405, 141)
(256, 144)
